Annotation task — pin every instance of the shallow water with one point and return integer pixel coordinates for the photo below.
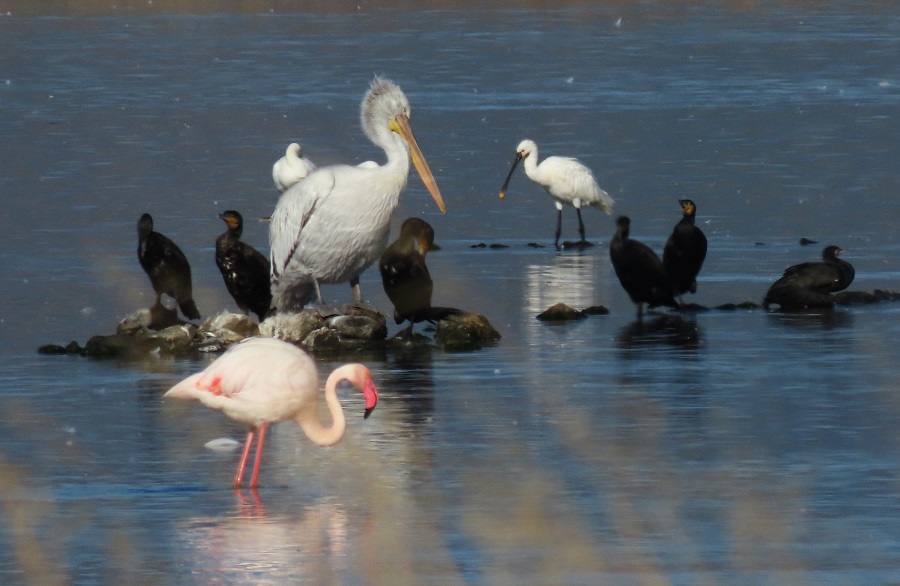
(723, 447)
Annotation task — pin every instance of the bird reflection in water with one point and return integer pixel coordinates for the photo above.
(814, 320)
(570, 278)
(308, 546)
(411, 378)
(665, 330)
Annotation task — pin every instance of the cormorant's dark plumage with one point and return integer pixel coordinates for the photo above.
(685, 251)
(639, 269)
(810, 284)
(166, 266)
(245, 269)
(405, 276)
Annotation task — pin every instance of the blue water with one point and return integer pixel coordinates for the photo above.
(732, 447)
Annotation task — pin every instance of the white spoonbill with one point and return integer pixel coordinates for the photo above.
(265, 380)
(567, 181)
(291, 168)
(332, 225)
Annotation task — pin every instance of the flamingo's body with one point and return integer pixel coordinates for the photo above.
(291, 168)
(567, 180)
(265, 380)
(334, 223)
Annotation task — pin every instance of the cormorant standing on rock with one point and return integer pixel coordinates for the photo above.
(639, 270)
(405, 276)
(810, 284)
(244, 269)
(166, 266)
(685, 251)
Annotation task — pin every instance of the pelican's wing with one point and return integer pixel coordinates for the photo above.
(294, 209)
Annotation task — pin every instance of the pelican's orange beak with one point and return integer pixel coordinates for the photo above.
(401, 126)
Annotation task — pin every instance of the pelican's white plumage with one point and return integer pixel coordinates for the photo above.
(567, 180)
(333, 224)
(291, 168)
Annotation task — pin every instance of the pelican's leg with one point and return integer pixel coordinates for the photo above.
(580, 224)
(318, 290)
(254, 478)
(357, 292)
(239, 474)
(407, 333)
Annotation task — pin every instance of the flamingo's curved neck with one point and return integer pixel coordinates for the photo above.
(308, 419)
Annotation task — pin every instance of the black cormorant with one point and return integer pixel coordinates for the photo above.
(405, 276)
(685, 251)
(166, 266)
(244, 269)
(810, 284)
(639, 270)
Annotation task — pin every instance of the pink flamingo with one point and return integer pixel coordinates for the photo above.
(265, 380)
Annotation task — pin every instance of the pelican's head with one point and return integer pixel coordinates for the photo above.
(386, 108)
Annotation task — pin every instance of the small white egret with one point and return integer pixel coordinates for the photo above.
(291, 168)
(332, 225)
(567, 181)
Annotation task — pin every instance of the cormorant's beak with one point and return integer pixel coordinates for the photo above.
(401, 126)
(519, 157)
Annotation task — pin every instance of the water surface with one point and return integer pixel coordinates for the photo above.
(723, 447)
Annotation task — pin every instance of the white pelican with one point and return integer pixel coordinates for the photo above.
(567, 181)
(333, 224)
(291, 168)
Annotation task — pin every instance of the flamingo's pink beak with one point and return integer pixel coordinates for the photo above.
(371, 395)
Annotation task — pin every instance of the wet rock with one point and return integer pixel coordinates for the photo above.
(465, 330)
(595, 310)
(576, 245)
(70, 348)
(861, 297)
(561, 312)
(736, 306)
(114, 346)
(321, 341)
(359, 327)
(292, 327)
(229, 324)
(328, 328)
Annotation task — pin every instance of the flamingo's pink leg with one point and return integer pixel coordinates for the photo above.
(239, 475)
(254, 478)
